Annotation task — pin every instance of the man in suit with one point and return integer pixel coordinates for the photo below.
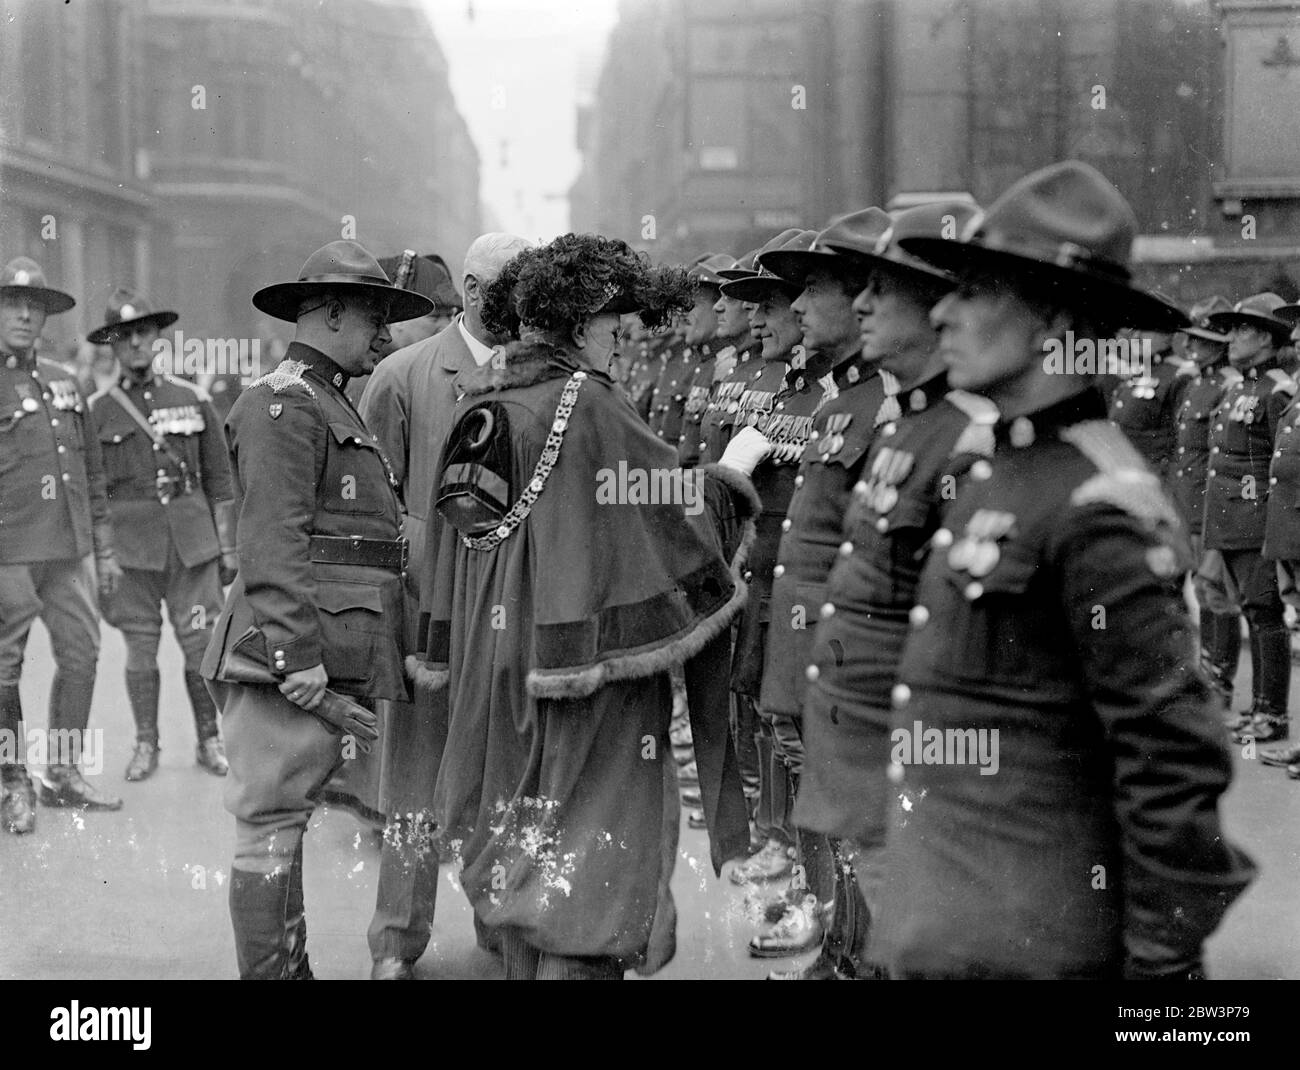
(316, 610)
(408, 404)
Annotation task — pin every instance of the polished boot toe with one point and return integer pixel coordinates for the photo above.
(1283, 756)
(144, 761)
(211, 755)
(17, 802)
(392, 970)
(820, 969)
(800, 929)
(63, 785)
(771, 863)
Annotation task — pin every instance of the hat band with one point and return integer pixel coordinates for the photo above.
(352, 280)
(1066, 254)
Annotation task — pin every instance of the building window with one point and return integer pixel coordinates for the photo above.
(108, 94)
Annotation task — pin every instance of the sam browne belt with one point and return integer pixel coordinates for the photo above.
(391, 554)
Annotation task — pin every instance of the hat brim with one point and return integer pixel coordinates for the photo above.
(900, 263)
(1209, 336)
(795, 265)
(756, 288)
(282, 300)
(1124, 305)
(1289, 313)
(102, 336)
(732, 274)
(1280, 329)
(55, 301)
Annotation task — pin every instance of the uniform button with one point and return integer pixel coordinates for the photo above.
(812, 672)
(828, 610)
(1218, 427)
(1182, 449)
(846, 548)
(900, 696)
(798, 481)
(117, 438)
(749, 575)
(779, 571)
(786, 524)
(1214, 449)
(1271, 482)
(860, 487)
(54, 422)
(895, 772)
(1210, 472)
(66, 477)
(942, 539)
(882, 525)
(814, 436)
(1119, 404)
(156, 447)
(62, 449)
(918, 616)
(973, 591)
(981, 470)
(46, 396)
(1277, 453)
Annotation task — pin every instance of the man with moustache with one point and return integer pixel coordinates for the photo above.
(408, 405)
(170, 498)
(1050, 610)
(1243, 431)
(316, 611)
(56, 542)
(1206, 375)
(858, 401)
(909, 480)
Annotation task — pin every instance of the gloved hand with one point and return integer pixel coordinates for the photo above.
(345, 717)
(227, 568)
(109, 574)
(747, 449)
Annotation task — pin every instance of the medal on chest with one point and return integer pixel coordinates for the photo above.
(831, 439)
(177, 420)
(888, 471)
(64, 395)
(1144, 387)
(977, 552)
(1243, 408)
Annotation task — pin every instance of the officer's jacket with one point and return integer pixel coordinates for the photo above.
(843, 430)
(304, 464)
(668, 402)
(699, 392)
(719, 416)
(1242, 431)
(1187, 475)
(52, 502)
(146, 527)
(784, 414)
(643, 373)
(1144, 406)
(1282, 530)
(1050, 610)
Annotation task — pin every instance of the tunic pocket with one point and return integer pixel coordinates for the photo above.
(353, 632)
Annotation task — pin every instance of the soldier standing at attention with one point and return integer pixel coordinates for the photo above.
(1145, 405)
(56, 543)
(1078, 836)
(316, 611)
(1237, 492)
(169, 496)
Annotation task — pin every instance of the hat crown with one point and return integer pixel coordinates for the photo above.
(23, 271)
(857, 230)
(126, 304)
(1067, 214)
(1203, 310)
(942, 219)
(1264, 304)
(340, 261)
(799, 241)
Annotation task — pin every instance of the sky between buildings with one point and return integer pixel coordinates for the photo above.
(518, 70)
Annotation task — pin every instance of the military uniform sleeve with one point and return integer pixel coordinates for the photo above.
(383, 408)
(278, 462)
(1119, 584)
(213, 456)
(96, 483)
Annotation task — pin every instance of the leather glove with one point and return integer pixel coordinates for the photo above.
(747, 449)
(227, 568)
(347, 718)
(109, 574)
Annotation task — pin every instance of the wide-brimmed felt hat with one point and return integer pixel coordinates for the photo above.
(127, 309)
(860, 228)
(705, 272)
(425, 273)
(339, 266)
(764, 281)
(1063, 225)
(942, 219)
(743, 269)
(1258, 310)
(1200, 313)
(23, 277)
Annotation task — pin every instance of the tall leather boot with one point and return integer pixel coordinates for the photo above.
(210, 753)
(1220, 652)
(63, 784)
(259, 905)
(1270, 679)
(295, 924)
(764, 812)
(17, 796)
(142, 690)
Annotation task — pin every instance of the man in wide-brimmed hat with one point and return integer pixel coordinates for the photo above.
(56, 545)
(1048, 673)
(169, 495)
(316, 612)
(408, 404)
(1205, 376)
(1243, 429)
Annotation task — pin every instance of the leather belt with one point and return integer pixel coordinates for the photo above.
(391, 554)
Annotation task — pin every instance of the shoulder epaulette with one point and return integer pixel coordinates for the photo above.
(1188, 368)
(1230, 375)
(288, 373)
(977, 436)
(1123, 479)
(203, 395)
(1281, 381)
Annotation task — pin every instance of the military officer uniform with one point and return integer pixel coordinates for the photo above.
(320, 583)
(169, 496)
(668, 402)
(56, 546)
(1145, 407)
(1242, 432)
(644, 371)
(719, 418)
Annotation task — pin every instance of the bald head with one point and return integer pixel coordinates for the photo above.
(487, 255)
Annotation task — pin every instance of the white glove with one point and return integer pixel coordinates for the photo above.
(747, 449)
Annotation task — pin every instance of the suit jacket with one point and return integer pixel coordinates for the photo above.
(304, 464)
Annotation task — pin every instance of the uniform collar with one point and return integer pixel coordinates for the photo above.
(318, 364)
(852, 370)
(18, 360)
(1087, 404)
(925, 393)
(1259, 369)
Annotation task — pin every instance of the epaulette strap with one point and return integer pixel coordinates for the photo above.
(1122, 479)
(1189, 369)
(288, 373)
(977, 436)
(1230, 374)
(1281, 381)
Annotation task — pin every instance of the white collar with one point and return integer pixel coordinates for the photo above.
(480, 352)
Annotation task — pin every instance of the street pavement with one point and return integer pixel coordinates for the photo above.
(141, 893)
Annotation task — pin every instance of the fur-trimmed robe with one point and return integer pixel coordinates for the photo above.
(558, 784)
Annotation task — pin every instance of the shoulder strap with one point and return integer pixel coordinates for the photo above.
(119, 395)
